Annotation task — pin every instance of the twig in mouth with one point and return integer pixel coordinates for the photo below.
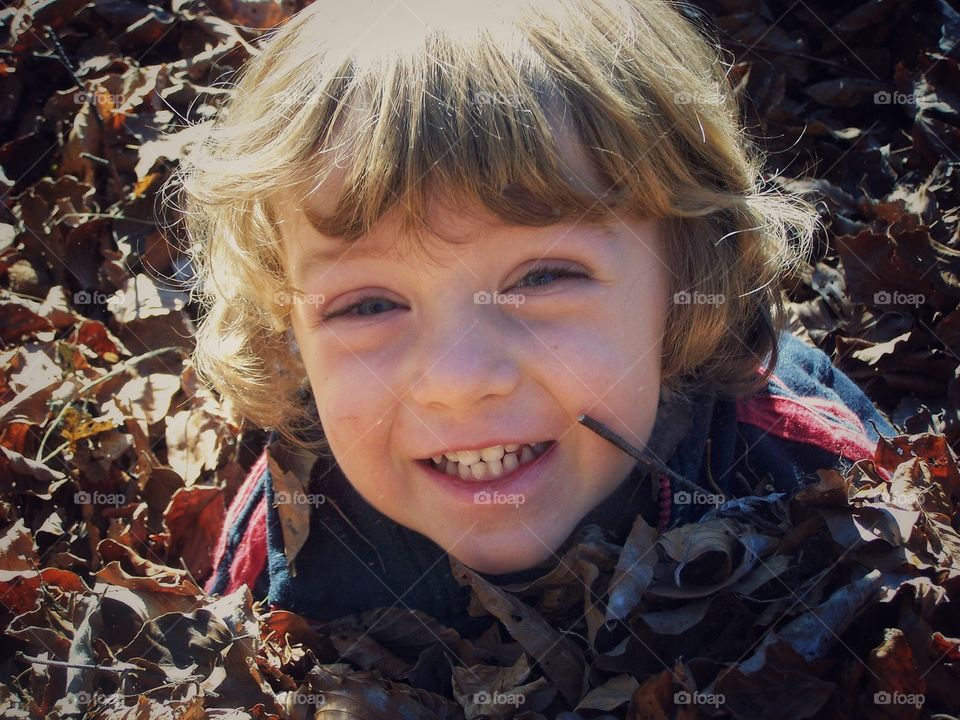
(652, 463)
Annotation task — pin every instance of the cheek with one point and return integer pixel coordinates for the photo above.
(350, 399)
(591, 359)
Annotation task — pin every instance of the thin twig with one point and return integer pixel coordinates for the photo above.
(128, 667)
(650, 462)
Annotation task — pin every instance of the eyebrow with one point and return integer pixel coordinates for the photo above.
(329, 250)
(325, 256)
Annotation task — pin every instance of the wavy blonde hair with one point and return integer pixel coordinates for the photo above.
(464, 103)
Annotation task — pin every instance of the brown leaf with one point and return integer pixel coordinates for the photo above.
(562, 661)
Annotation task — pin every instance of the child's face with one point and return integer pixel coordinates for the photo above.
(428, 366)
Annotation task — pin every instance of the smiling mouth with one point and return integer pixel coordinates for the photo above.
(489, 464)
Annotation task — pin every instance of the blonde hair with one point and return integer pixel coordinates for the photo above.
(465, 103)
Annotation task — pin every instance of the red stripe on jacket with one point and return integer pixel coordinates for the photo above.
(247, 488)
(250, 555)
(800, 421)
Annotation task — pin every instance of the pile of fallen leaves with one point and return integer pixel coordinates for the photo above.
(116, 465)
(837, 602)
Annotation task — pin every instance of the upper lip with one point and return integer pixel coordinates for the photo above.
(468, 446)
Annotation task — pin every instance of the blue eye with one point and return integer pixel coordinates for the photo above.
(372, 301)
(547, 270)
(368, 301)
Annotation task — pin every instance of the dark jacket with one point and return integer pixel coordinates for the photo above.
(810, 416)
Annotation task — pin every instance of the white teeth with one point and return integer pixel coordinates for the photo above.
(488, 463)
(468, 457)
(491, 454)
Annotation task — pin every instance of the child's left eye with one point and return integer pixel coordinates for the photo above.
(560, 271)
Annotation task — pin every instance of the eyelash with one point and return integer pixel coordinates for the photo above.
(560, 270)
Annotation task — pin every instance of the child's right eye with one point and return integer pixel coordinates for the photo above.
(362, 302)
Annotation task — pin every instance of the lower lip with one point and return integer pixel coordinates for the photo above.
(519, 481)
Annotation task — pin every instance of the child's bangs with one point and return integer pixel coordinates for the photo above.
(468, 133)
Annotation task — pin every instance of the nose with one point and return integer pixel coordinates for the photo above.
(463, 357)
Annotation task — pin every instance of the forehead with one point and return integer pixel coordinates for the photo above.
(311, 250)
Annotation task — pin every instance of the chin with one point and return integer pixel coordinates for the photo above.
(513, 557)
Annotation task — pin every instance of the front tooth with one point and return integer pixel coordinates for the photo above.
(468, 457)
(526, 455)
(491, 454)
(479, 471)
(511, 448)
(494, 467)
(510, 462)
